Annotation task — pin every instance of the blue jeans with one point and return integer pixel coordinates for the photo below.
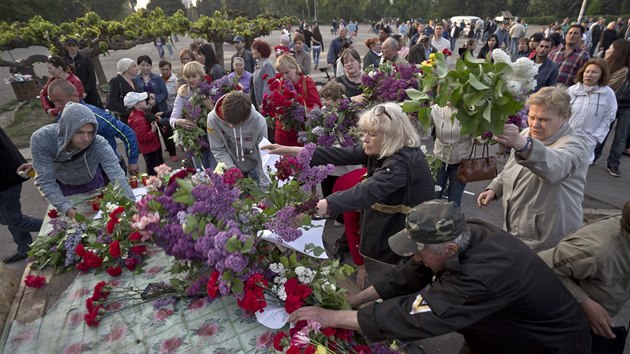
(513, 45)
(208, 160)
(622, 131)
(447, 178)
(316, 51)
(19, 225)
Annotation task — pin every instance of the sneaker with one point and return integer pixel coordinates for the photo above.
(14, 258)
(614, 171)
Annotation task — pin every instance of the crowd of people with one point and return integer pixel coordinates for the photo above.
(435, 271)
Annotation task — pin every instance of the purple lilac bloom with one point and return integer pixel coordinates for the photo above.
(164, 302)
(197, 285)
(283, 224)
(236, 262)
(224, 287)
(326, 140)
(58, 225)
(330, 121)
(70, 245)
(53, 249)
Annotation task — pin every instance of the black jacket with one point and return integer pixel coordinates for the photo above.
(496, 292)
(401, 179)
(10, 160)
(118, 88)
(547, 74)
(417, 54)
(84, 70)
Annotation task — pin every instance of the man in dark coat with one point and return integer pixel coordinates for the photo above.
(488, 286)
(84, 70)
(11, 215)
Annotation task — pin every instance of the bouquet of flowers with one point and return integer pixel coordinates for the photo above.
(484, 93)
(388, 82)
(309, 337)
(333, 125)
(217, 88)
(284, 103)
(108, 243)
(193, 141)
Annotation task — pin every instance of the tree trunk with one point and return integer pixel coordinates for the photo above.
(98, 68)
(218, 49)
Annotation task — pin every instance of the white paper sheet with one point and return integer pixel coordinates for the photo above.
(314, 235)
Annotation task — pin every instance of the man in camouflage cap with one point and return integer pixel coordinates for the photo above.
(464, 276)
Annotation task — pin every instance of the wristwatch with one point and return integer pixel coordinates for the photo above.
(528, 145)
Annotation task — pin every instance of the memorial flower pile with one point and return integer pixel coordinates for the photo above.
(108, 243)
(211, 223)
(333, 126)
(388, 83)
(283, 103)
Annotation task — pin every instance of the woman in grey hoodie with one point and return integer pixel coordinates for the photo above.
(68, 157)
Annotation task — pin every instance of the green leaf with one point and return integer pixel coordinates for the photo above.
(184, 184)
(487, 113)
(411, 106)
(233, 244)
(502, 68)
(424, 117)
(247, 247)
(475, 83)
(428, 82)
(237, 286)
(416, 95)
(79, 218)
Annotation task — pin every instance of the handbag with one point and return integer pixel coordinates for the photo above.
(474, 169)
(602, 345)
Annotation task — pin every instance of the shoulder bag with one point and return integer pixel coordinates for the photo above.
(474, 169)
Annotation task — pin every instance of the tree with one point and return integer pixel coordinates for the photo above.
(61, 10)
(170, 7)
(94, 34)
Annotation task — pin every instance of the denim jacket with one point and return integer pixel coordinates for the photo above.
(159, 90)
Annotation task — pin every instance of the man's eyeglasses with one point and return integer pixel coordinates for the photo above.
(380, 109)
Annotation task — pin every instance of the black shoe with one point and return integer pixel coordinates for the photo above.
(614, 171)
(14, 258)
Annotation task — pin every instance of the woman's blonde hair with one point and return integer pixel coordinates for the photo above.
(397, 129)
(554, 98)
(287, 62)
(191, 68)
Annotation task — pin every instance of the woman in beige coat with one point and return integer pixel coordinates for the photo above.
(542, 184)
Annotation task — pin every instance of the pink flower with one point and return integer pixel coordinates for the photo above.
(300, 340)
(34, 281)
(264, 340)
(74, 348)
(162, 314)
(207, 330)
(170, 345)
(197, 304)
(116, 334)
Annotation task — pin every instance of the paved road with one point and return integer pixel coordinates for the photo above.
(602, 192)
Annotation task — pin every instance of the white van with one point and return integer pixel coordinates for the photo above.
(469, 21)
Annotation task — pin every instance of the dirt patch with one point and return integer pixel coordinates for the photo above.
(22, 120)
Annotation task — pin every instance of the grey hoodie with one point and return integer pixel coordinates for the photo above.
(52, 163)
(238, 147)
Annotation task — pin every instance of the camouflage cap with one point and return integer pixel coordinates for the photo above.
(434, 221)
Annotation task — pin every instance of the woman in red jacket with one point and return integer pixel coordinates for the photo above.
(306, 90)
(58, 69)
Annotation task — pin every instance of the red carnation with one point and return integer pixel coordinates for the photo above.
(309, 350)
(265, 76)
(82, 267)
(138, 250)
(91, 318)
(101, 291)
(329, 331)
(131, 263)
(114, 249)
(232, 176)
(292, 303)
(135, 236)
(92, 260)
(277, 341)
(53, 213)
(34, 281)
(181, 174)
(80, 250)
(111, 223)
(213, 286)
(114, 271)
(117, 212)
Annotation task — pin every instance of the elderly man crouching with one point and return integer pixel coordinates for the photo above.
(488, 286)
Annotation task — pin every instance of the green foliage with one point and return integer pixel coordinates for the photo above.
(60, 10)
(220, 28)
(475, 88)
